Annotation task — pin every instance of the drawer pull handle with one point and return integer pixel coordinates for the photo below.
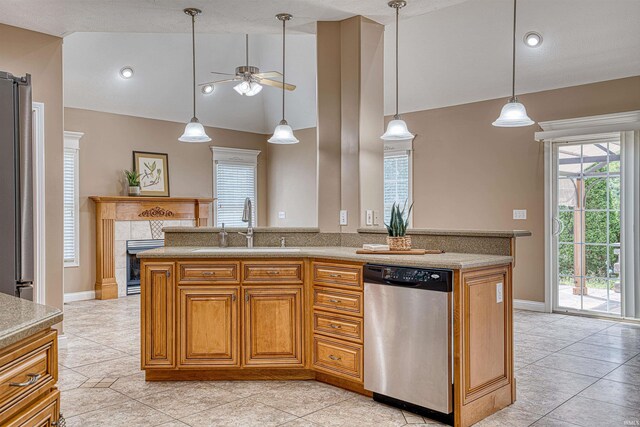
(334, 326)
(337, 358)
(335, 275)
(335, 301)
(273, 272)
(33, 378)
(208, 273)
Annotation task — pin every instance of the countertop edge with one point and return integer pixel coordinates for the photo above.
(22, 331)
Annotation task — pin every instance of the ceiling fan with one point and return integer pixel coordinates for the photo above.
(250, 78)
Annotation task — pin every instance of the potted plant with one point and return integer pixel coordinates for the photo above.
(133, 179)
(397, 228)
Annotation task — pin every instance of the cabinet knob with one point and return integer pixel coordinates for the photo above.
(33, 378)
(335, 326)
(168, 273)
(335, 301)
(335, 275)
(208, 273)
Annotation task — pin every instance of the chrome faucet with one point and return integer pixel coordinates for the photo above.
(247, 216)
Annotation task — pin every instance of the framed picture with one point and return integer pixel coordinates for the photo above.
(154, 173)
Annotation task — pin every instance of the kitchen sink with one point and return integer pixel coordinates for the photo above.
(248, 250)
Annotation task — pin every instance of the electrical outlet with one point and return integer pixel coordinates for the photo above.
(519, 214)
(376, 217)
(369, 219)
(499, 292)
(343, 217)
(282, 214)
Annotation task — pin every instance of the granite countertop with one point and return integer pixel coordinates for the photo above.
(20, 318)
(451, 260)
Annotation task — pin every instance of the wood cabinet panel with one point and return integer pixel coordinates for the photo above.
(209, 326)
(338, 275)
(209, 272)
(338, 358)
(338, 301)
(45, 413)
(341, 327)
(273, 326)
(268, 272)
(27, 370)
(157, 286)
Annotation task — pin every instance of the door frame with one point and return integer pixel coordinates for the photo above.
(577, 129)
(39, 204)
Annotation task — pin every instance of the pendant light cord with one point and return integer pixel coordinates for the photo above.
(193, 57)
(284, 21)
(513, 56)
(246, 48)
(397, 92)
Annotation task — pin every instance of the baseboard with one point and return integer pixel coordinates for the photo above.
(523, 304)
(62, 341)
(79, 296)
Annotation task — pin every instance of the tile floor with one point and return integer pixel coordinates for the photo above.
(571, 371)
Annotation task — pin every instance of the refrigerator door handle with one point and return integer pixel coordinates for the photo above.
(25, 203)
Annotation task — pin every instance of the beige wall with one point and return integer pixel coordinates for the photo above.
(471, 175)
(106, 150)
(21, 52)
(292, 181)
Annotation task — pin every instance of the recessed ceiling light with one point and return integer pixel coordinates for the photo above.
(207, 89)
(126, 72)
(532, 39)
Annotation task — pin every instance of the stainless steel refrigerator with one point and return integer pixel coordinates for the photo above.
(16, 186)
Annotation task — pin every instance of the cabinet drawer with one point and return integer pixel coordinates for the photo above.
(27, 370)
(208, 272)
(340, 275)
(272, 272)
(44, 413)
(337, 358)
(337, 326)
(338, 301)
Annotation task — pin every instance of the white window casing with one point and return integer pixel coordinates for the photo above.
(398, 175)
(71, 196)
(235, 177)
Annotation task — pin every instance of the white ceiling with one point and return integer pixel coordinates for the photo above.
(451, 55)
(63, 17)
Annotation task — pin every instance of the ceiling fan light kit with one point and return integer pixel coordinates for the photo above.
(283, 133)
(397, 128)
(513, 114)
(194, 131)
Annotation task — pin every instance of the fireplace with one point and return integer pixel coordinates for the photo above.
(133, 263)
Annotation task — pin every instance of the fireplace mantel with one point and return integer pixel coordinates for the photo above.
(110, 209)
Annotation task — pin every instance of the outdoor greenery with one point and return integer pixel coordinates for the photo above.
(596, 203)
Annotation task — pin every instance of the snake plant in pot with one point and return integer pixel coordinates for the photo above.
(397, 228)
(133, 179)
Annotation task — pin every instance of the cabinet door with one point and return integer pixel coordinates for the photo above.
(209, 326)
(273, 327)
(44, 413)
(157, 286)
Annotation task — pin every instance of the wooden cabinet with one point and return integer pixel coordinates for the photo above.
(272, 272)
(337, 275)
(44, 413)
(338, 301)
(338, 358)
(209, 272)
(334, 325)
(209, 326)
(273, 326)
(157, 288)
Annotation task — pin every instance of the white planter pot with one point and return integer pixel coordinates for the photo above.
(134, 191)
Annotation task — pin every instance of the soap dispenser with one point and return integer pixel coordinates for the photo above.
(223, 237)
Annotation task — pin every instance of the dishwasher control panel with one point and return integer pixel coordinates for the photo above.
(423, 278)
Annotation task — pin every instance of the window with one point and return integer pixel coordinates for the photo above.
(71, 199)
(397, 176)
(234, 179)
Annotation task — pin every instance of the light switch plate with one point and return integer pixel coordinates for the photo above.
(282, 214)
(369, 215)
(376, 217)
(519, 214)
(499, 296)
(343, 217)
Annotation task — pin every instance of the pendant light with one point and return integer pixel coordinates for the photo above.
(513, 113)
(397, 129)
(248, 86)
(194, 131)
(283, 133)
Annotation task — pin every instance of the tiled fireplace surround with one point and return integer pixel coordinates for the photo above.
(135, 230)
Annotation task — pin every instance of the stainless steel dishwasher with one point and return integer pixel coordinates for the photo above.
(408, 338)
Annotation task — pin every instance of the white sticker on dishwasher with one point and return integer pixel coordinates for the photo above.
(499, 292)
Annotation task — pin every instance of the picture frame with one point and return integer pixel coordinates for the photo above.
(154, 173)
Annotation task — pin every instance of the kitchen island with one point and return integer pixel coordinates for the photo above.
(298, 313)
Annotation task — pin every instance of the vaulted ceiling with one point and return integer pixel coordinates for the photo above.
(451, 51)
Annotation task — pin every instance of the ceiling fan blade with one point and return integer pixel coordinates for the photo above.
(274, 83)
(268, 75)
(222, 74)
(218, 81)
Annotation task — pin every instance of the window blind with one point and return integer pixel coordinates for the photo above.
(234, 183)
(396, 181)
(70, 194)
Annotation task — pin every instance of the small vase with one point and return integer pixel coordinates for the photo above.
(399, 243)
(134, 191)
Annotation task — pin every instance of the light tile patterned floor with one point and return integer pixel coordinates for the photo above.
(571, 371)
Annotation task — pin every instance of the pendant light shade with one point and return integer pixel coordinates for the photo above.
(283, 134)
(194, 131)
(513, 114)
